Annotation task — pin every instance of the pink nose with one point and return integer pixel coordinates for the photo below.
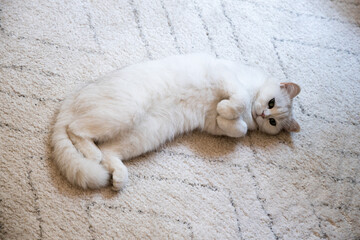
(263, 115)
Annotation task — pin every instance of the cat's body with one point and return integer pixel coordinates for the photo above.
(136, 109)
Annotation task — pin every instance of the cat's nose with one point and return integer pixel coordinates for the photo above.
(263, 115)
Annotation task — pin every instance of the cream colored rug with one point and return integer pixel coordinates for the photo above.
(298, 186)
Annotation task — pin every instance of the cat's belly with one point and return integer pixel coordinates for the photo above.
(154, 129)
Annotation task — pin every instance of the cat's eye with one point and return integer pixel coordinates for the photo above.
(271, 103)
(272, 121)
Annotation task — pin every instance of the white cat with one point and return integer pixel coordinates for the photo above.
(136, 109)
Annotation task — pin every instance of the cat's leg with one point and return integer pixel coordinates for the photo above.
(93, 126)
(117, 169)
(145, 137)
(233, 107)
(232, 128)
(84, 131)
(124, 147)
(83, 142)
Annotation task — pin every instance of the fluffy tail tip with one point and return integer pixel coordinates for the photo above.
(93, 178)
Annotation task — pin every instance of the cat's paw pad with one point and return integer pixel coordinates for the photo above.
(119, 179)
(226, 110)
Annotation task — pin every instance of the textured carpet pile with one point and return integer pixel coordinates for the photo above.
(291, 186)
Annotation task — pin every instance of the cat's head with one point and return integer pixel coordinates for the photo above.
(272, 109)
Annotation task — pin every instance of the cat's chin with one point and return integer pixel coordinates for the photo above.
(253, 124)
(258, 121)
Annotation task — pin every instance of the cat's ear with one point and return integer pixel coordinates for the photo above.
(292, 126)
(292, 89)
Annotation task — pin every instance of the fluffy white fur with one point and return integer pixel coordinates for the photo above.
(136, 109)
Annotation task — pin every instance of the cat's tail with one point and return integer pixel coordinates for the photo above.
(73, 165)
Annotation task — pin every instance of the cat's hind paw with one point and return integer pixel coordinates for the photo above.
(119, 179)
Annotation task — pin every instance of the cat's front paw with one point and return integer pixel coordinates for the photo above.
(119, 179)
(226, 109)
(233, 128)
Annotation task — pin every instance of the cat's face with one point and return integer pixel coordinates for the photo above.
(272, 109)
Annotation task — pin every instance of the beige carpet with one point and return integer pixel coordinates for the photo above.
(298, 186)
